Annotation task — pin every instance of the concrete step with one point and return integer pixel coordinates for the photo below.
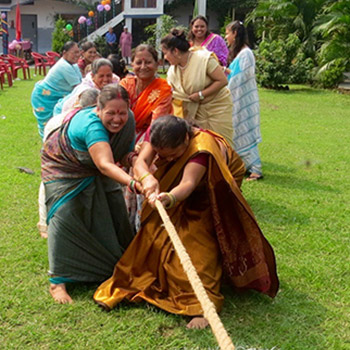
(346, 75)
(345, 86)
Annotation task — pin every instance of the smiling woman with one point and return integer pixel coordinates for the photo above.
(101, 75)
(150, 99)
(60, 81)
(88, 223)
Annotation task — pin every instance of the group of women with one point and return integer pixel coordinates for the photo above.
(161, 140)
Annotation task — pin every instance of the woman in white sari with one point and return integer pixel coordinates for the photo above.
(199, 85)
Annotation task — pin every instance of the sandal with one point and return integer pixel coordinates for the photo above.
(254, 177)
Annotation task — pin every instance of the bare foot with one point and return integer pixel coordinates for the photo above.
(43, 230)
(59, 293)
(197, 323)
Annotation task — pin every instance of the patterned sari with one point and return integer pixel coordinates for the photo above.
(215, 43)
(88, 224)
(218, 229)
(153, 102)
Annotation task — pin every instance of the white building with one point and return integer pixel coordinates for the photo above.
(38, 17)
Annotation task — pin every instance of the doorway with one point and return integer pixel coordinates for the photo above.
(30, 30)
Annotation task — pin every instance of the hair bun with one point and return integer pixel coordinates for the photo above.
(178, 33)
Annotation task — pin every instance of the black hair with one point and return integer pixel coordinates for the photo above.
(205, 20)
(119, 66)
(87, 45)
(241, 38)
(144, 47)
(169, 132)
(68, 45)
(111, 92)
(176, 40)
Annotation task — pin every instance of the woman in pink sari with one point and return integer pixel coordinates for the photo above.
(201, 36)
(125, 42)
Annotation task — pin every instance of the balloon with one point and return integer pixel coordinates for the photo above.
(3, 15)
(69, 27)
(82, 20)
(107, 7)
(91, 13)
(100, 8)
(89, 22)
(103, 2)
(108, 2)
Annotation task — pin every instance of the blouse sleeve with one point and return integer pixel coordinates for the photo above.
(212, 64)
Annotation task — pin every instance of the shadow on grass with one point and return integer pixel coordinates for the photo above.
(293, 320)
(270, 212)
(298, 90)
(272, 176)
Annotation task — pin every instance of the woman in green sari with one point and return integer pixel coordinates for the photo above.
(87, 218)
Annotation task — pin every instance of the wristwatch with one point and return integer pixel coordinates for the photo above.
(201, 97)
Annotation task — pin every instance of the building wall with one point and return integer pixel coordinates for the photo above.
(184, 13)
(45, 11)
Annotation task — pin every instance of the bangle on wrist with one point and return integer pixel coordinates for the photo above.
(130, 157)
(141, 178)
(132, 187)
(172, 199)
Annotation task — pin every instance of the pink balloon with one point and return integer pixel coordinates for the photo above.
(3, 15)
(100, 8)
(107, 7)
(81, 20)
(12, 46)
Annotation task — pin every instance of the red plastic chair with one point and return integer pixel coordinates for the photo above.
(52, 57)
(5, 71)
(16, 64)
(40, 62)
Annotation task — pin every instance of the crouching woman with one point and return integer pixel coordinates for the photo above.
(88, 222)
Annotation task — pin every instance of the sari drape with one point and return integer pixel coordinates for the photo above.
(215, 43)
(88, 224)
(217, 228)
(214, 112)
(154, 101)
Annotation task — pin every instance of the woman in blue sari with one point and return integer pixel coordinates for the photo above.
(244, 92)
(88, 223)
(60, 81)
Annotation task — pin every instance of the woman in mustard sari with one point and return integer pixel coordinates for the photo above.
(197, 180)
(199, 85)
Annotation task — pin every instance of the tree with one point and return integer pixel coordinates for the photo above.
(59, 35)
(276, 19)
(334, 26)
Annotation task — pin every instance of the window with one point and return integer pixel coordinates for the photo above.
(143, 3)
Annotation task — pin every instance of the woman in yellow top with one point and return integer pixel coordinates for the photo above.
(197, 179)
(199, 85)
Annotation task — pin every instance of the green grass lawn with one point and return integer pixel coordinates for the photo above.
(302, 205)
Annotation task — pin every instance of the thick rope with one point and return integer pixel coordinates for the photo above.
(208, 307)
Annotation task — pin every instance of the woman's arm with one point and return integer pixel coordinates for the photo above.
(193, 174)
(219, 81)
(102, 156)
(142, 170)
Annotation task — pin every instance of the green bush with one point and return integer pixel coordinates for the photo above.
(282, 62)
(332, 74)
(59, 35)
(101, 46)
